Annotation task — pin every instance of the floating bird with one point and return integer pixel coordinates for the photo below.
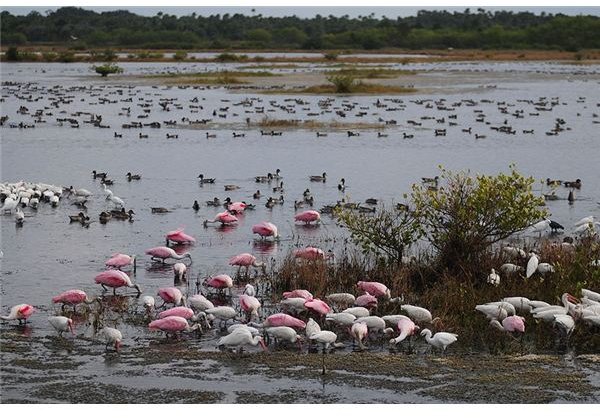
(322, 178)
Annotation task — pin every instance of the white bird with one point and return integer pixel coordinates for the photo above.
(521, 304)
(179, 269)
(509, 268)
(589, 228)
(327, 338)
(407, 328)
(591, 295)
(223, 313)
(294, 304)
(285, 334)
(565, 323)
(117, 201)
(394, 319)
(9, 205)
(19, 216)
(417, 314)
(248, 328)
(343, 318)
(544, 268)
(440, 340)
(148, 303)
(249, 290)
(311, 327)
(83, 192)
(112, 336)
(508, 307)
(61, 324)
(492, 311)
(357, 311)
(532, 264)
(540, 226)
(374, 323)
(200, 303)
(493, 278)
(239, 338)
(359, 332)
(585, 221)
(514, 251)
(54, 201)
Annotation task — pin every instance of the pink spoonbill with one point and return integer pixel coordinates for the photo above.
(74, 297)
(164, 253)
(179, 237)
(312, 253)
(308, 216)
(219, 282)
(61, 324)
(266, 229)
(19, 312)
(246, 260)
(171, 295)
(172, 325)
(284, 320)
(375, 288)
(225, 218)
(119, 261)
(116, 279)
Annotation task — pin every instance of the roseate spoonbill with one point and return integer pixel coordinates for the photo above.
(367, 300)
(112, 336)
(493, 278)
(180, 272)
(74, 297)
(298, 293)
(250, 305)
(357, 311)
(200, 303)
(172, 325)
(19, 312)
(266, 229)
(118, 261)
(239, 338)
(407, 328)
(284, 333)
(225, 218)
(359, 332)
(171, 295)
(116, 279)
(343, 319)
(61, 324)
(417, 314)
(318, 306)
(181, 311)
(510, 324)
(246, 260)
(346, 299)
(220, 282)
(308, 216)
(236, 207)
(281, 319)
(179, 237)
(311, 253)
(440, 340)
(163, 253)
(375, 288)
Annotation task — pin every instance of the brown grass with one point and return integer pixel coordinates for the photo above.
(357, 89)
(313, 124)
(371, 73)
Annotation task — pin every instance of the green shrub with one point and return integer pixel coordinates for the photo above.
(12, 54)
(106, 69)
(180, 56)
(344, 83)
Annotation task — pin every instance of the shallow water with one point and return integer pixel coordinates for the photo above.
(48, 255)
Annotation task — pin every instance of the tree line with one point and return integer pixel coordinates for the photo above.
(80, 29)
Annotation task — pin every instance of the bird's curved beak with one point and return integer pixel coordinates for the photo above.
(117, 345)
(573, 299)
(262, 344)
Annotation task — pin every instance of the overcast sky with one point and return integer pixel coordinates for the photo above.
(390, 12)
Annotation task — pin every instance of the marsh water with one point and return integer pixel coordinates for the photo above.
(49, 255)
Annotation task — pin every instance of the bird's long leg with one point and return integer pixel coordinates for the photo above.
(114, 291)
(323, 362)
(103, 287)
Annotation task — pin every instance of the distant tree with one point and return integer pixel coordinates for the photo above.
(180, 55)
(12, 54)
(106, 69)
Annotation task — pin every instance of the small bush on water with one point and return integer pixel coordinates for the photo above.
(343, 83)
(106, 69)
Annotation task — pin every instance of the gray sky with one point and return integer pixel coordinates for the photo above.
(390, 12)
